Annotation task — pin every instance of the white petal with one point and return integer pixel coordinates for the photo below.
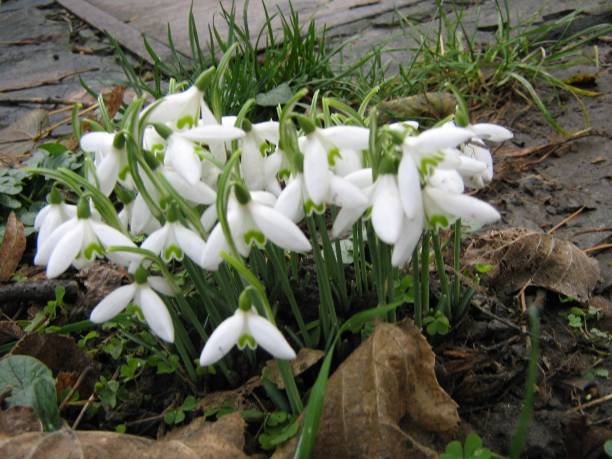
(352, 137)
(42, 214)
(53, 220)
(471, 210)
(316, 170)
(346, 218)
(471, 166)
(97, 142)
(198, 192)
(269, 337)
(107, 173)
(161, 285)
(44, 252)
(344, 194)
(348, 162)
(155, 313)
(157, 240)
(361, 178)
(189, 242)
(213, 133)
(216, 243)
(224, 337)
(387, 209)
(409, 187)
(278, 228)
(175, 106)
(141, 215)
(252, 165)
(182, 157)
(408, 240)
(290, 203)
(113, 304)
(447, 180)
(209, 217)
(110, 236)
(268, 130)
(264, 197)
(435, 139)
(491, 132)
(65, 251)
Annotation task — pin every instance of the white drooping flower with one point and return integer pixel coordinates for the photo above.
(110, 159)
(444, 202)
(78, 241)
(142, 293)
(52, 215)
(173, 241)
(245, 328)
(348, 215)
(182, 147)
(258, 169)
(252, 219)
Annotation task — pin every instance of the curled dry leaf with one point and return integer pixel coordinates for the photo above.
(436, 105)
(223, 439)
(305, 359)
(12, 248)
(384, 401)
(521, 257)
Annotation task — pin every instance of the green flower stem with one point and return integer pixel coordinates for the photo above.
(456, 297)
(283, 366)
(362, 257)
(445, 301)
(202, 287)
(134, 162)
(333, 262)
(329, 321)
(418, 304)
(357, 266)
(425, 274)
(281, 271)
(373, 246)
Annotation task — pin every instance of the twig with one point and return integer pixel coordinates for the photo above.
(50, 129)
(500, 319)
(37, 290)
(157, 417)
(606, 229)
(590, 404)
(75, 387)
(89, 400)
(36, 101)
(565, 220)
(598, 247)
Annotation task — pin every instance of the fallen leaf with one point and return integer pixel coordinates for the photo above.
(12, 248)
(521, 257)
(436, 105)
(99, 280)
(113, 98)
(60, 354)
(305, 359)
(223, 439)
(16, 420)
(20, 137)
(10, 331)
(384, 401)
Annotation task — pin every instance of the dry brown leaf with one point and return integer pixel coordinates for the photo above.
(436, 105)
(305, 359)
(113, 98)
(9, 331)
(384, 401)
(99, 280)
(12, 248)
(223, 439)
(20, 137)
(522, 257)
(16, 420)
(61, 354)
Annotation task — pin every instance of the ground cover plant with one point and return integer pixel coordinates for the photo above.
(284, 219)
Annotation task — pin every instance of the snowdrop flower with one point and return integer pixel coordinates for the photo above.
(489, 131)
(110, 159)
(321, 148)
(245, 328)
(142, 293)
(173, 240)
(257, 169)
(386, 205)
(182, 108)
(444, 202)
(181, 147)
(78, 241)
(52, 215)
(475, 152)
(348, 215)
(252, 220)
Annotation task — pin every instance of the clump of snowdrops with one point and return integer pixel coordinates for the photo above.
(226, 210)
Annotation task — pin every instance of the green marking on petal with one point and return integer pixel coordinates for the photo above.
(284, 174)
(439, 221)
(157, 147)
(255, 236)
(172, 251)
(247, 340)
(311, 207)
(185, 121)
(123, 173)
(92, 250)
(429, 163)
(332, 155)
